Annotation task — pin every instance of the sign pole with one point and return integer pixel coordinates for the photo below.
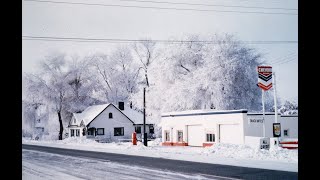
(275, 98)
(264, 127)
(275, 101)
(264, 82)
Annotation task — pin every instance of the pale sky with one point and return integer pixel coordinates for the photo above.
(87, 21)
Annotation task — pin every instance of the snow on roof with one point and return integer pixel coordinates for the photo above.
(135, 116)
(259, 113)
(89, 113)
(202, 112)
(92, 111)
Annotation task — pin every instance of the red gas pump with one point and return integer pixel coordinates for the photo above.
(134, 138)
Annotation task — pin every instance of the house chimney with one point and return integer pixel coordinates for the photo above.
(121, 105)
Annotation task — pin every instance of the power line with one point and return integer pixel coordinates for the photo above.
(291, 55)
(214, 5)
(277, 64)
(74, 39)
(153, 7)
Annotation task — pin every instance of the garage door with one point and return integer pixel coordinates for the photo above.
(230, 133)
(195, 135)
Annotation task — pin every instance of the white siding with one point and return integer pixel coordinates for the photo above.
(290, 123)
(256, 129)
(209, 122)
(72, 121)
(195, 140)
(118, 120)
(230, 133)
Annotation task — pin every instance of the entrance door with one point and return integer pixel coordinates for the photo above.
(195, 135)
(91, 132)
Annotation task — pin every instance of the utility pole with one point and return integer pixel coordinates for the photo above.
(145, 140)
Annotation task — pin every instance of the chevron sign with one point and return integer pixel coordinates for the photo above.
(265, 77)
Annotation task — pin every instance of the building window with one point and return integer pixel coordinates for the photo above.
(138, 129)
(180, 136)
(119, 131)
(110, 116)
(210, 138)
(38, 120)
(100, 131)
(77, 132)
(286, 132)
(151, 129)
(167, 135)
(72, 132)
(74, 121)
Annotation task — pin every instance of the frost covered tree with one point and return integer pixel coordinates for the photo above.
(30, 103)
(125, 78)
(82, 83)
(220, 75)
(288, 108)
(51, 84)
(118, 73)
(146, 53)
(65, 84)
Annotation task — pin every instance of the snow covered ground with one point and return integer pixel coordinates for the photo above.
(39, 165)
(228, 154)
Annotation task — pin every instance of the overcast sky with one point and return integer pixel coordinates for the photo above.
(88, 21)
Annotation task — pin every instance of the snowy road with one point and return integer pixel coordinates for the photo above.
(40, 165)
(57, 163)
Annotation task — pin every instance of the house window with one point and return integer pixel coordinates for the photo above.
(118, 131)
(72, 132)
(42, 129)
(210, 138)
(38, 120)
(138, 129)
(180, 136)
(110, 116)
(151, 129)
(77, 132)
(100, 131)
(167, 135)
(286, 132)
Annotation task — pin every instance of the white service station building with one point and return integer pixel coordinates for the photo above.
(206, 127)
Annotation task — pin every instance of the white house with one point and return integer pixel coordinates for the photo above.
(107, 122)
(206, 127)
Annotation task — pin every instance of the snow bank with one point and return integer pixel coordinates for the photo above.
(247, 152)
(156, 142)
(220, 149)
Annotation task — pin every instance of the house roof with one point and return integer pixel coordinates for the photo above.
(91, 112)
